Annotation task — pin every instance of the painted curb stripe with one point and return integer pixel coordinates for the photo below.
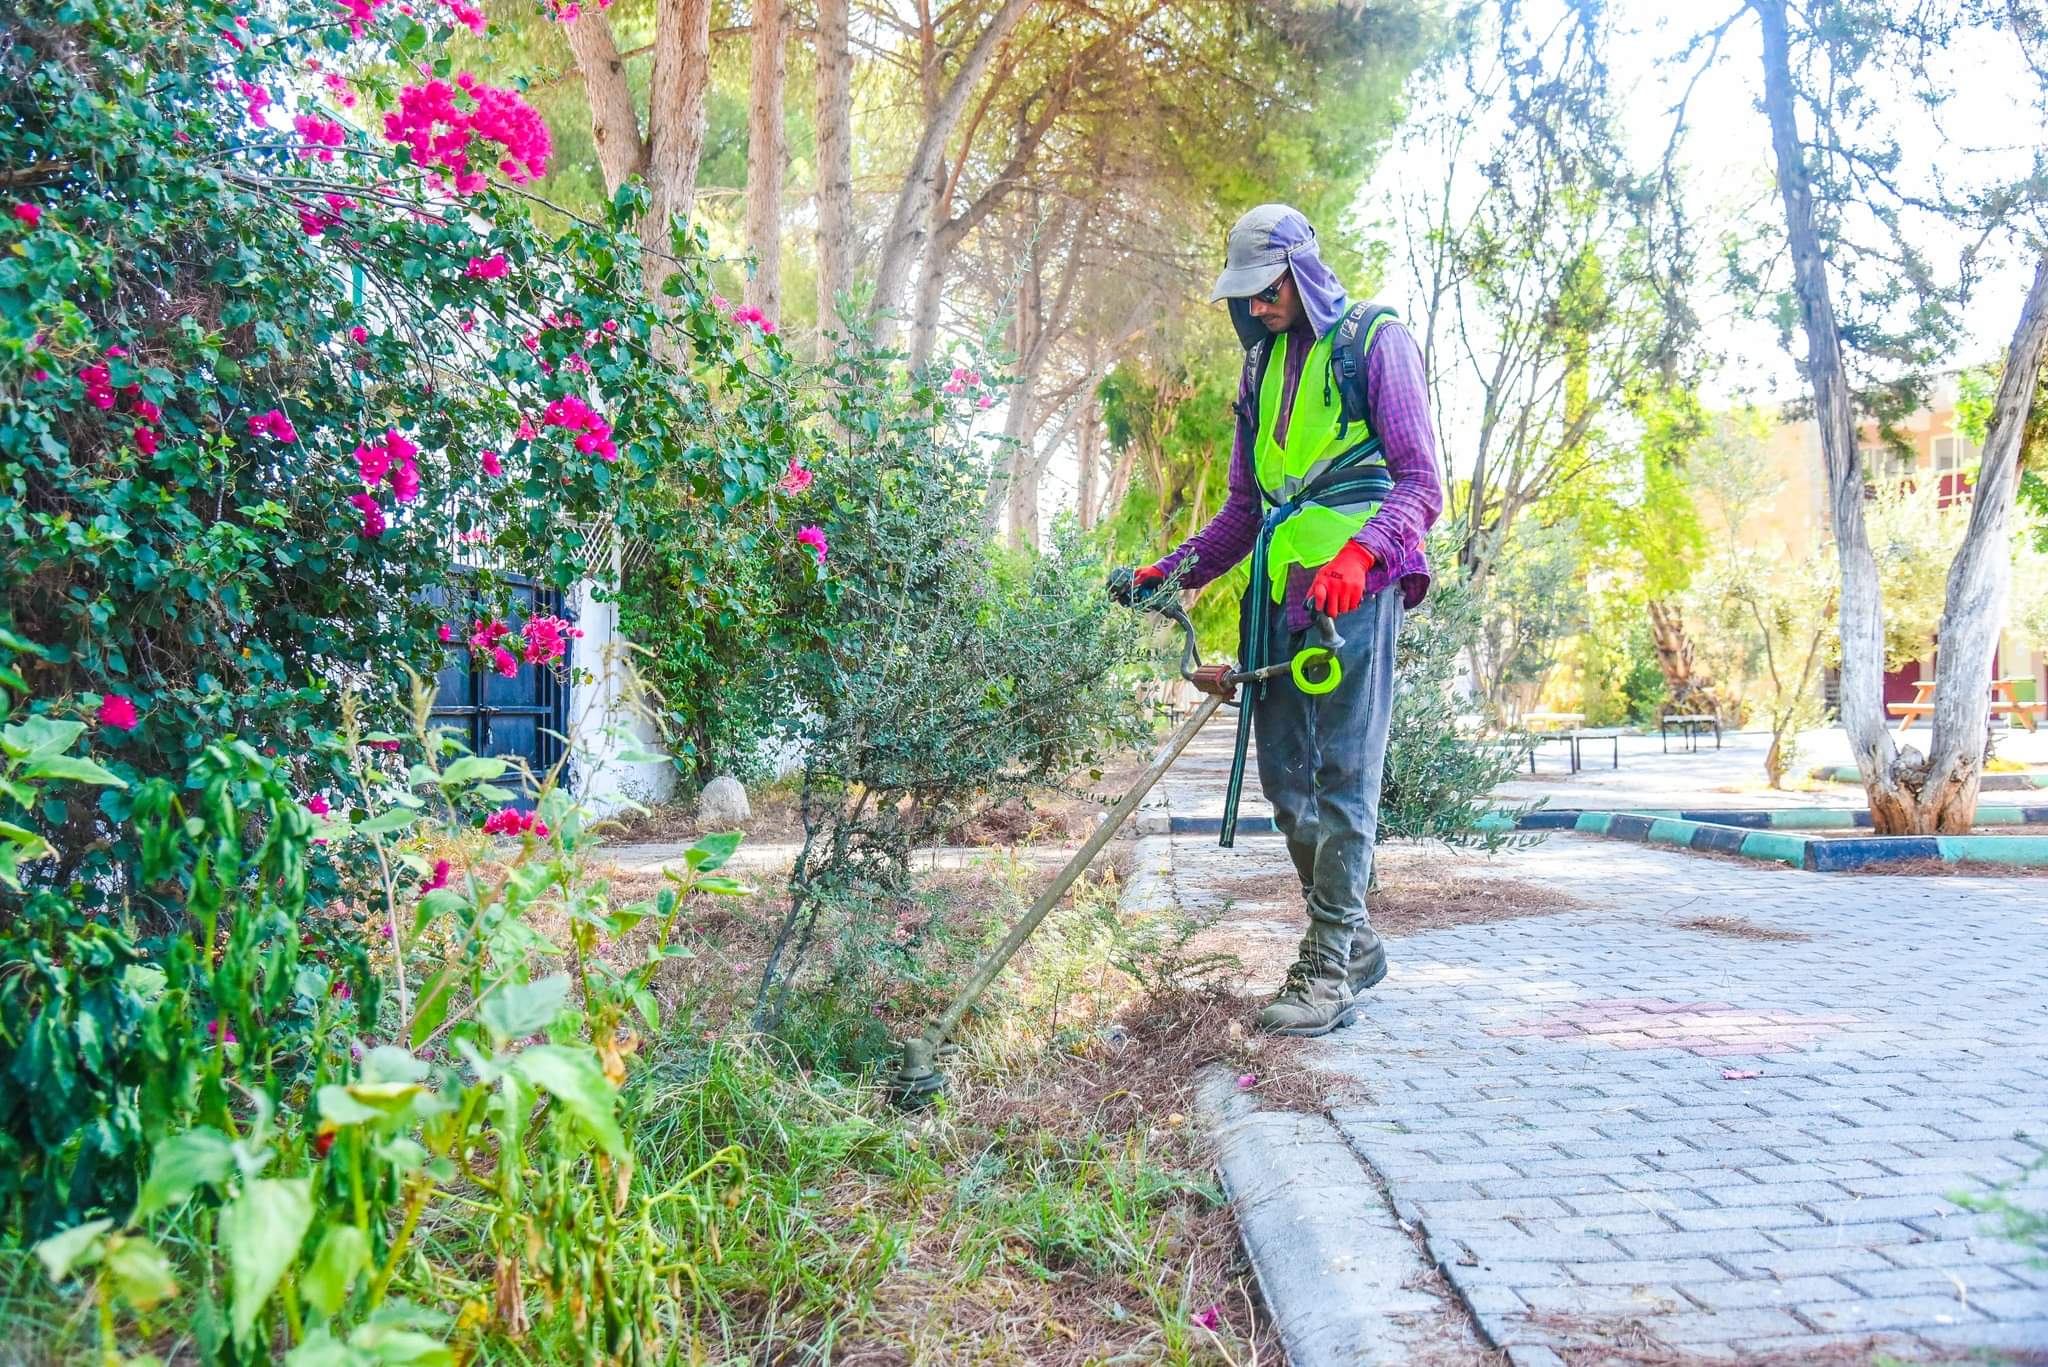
(1785, 849)
(1664, 831)
(1836, 856)
(1995, 849)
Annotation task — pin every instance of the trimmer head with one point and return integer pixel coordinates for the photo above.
(917, 1082)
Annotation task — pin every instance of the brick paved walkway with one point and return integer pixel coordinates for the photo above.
(1744, 1144)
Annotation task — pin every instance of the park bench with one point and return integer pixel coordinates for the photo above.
(1689, 725)
(1574, 741)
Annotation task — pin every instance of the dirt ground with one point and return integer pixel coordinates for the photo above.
(1056, 816)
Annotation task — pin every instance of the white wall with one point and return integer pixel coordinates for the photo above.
(597, 701)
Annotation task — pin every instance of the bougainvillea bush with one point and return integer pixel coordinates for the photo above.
(286, 353)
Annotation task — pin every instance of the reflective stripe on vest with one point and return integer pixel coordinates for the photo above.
(1319, 443)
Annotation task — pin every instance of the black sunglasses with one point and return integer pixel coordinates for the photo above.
(1271, 294)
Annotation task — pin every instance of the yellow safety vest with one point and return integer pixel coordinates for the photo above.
(1319, 440)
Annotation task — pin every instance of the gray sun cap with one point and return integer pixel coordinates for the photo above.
(1259, 250)
(1267, 241)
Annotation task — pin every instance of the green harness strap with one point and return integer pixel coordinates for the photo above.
(1359, 476)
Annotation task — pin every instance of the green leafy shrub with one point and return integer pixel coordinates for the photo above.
(285, 383)
(944, 678)
(1437, 778)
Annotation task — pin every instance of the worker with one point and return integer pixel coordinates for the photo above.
(1333, 486)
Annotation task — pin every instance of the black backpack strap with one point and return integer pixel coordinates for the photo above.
(1256, 357)
(1347, 355)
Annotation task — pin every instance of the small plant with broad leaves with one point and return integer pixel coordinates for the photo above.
(296, 1107)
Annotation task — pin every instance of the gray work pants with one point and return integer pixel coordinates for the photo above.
(1321, 759)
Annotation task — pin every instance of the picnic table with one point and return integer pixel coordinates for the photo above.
(2005, 701)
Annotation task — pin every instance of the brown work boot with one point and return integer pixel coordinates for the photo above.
(1316, 998)
(1368, 963)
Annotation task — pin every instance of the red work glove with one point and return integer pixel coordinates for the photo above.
(1145, 576)
(1340, 585)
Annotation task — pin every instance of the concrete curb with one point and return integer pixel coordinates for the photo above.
(1990, 783)
(1776, 818)
(1818, 854)
(1331, 1259)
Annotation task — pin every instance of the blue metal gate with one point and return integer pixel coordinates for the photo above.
(522, 717)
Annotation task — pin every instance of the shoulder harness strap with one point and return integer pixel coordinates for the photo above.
(1348, 351)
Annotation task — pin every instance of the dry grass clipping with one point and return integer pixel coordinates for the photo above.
(1740, 929)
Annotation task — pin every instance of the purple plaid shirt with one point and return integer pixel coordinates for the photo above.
(1398, 409)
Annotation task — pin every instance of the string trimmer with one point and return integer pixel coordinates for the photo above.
(1314, 670)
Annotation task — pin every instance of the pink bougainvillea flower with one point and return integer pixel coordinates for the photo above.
(318, 804)
(447, 633)
(493, 467)
(373, 514)
(492, 267)
(340, 90)
(467, 15)
(547, 638)
(390, 458)
(1247, 1081)
(275, 425)
(984, 402)
(526, 432)
(512, 821)
(118, 352)
(323, 134)
(955, 387)
(440, 877)
(814, 537)
(505, 662)
(225, 1034)
(118, 712)
(611, 325)
(146, 440)
(99, 387)
(31, 214)
(1210, 1318)
(442, 124)
(796, 479)
(405, 481)
(485, 634)
(256, 99)
(574, 415)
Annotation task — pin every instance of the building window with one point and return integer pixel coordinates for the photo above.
(1885, 462)
(1954, 457)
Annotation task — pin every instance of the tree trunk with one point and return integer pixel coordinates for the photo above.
(1861, 611)
(1978, 579)
(910, 220)
(764, 161)
(931, 284)
(835, 166)
(614, 124)
(1689, 692)
(675, 119)
(1090, 456)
